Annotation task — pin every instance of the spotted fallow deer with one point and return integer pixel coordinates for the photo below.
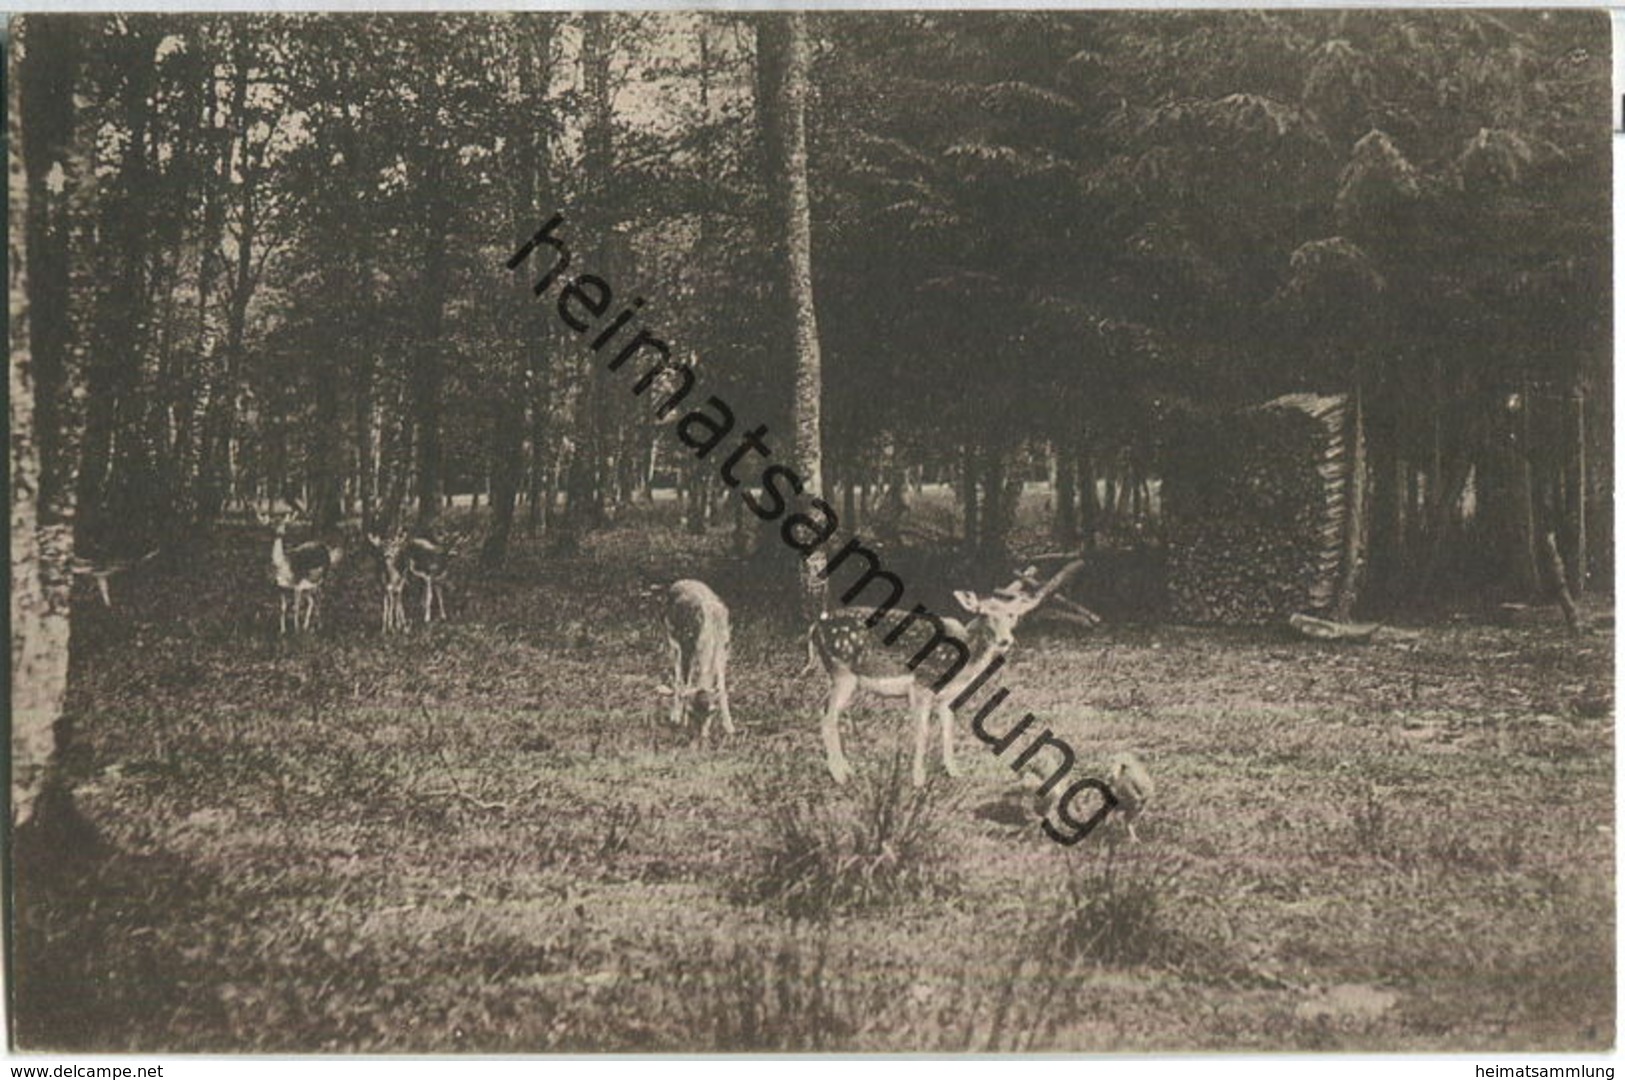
(855, 655)
(299, 570)
(696, 623)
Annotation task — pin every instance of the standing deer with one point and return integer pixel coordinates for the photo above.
(391, 558)
(299, 570)
(427, 561)
(854, 656)
(696, 622)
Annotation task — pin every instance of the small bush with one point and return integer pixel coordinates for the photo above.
(1114, 916)
(1371, 827)
(788, 996)
(801, 993)
(829, 852)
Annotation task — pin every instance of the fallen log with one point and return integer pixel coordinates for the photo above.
(1327, 630)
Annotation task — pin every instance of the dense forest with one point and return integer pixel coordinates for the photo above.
(260, 259)
(1282, 339)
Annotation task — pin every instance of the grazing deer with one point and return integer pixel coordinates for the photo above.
(391, 558)
(696, 622)
(855, 657)
(299, 570)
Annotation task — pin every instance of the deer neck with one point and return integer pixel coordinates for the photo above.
(979, 637)
(279, 559)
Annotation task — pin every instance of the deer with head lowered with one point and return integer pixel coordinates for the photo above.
(696, 624)
(855, 656)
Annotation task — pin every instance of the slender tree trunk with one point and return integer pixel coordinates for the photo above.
(1065, 523)
(119, 336)
(1579, 558)
(968, 472)
(1355, 525)
(783, 56)
(508, 423)
(1088, 501)
(427, 371)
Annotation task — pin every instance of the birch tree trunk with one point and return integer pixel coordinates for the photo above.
(44, 173)
(783, 57)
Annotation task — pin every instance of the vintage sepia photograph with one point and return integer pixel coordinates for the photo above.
(880, 532)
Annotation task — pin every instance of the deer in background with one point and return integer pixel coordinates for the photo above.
(854, 657)
(299, 570)
(402, 557)
(103, 572)
(390, 556)
(427, 561)
(696, 623)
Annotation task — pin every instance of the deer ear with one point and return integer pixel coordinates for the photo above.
(968, 601)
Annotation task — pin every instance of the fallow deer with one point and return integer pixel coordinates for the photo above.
(696, 623)
(299, 570)
(103, 572)
(850, 647)
(427, 561)
(390, 556)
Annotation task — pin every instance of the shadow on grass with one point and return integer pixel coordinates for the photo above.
(93, 968)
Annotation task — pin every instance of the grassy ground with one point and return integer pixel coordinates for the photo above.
(481, 838)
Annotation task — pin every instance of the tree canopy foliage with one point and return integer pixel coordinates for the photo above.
(1039, 242)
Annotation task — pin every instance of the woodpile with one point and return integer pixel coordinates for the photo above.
(1257, 512)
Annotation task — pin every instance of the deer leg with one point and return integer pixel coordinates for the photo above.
(282, 613)
(677, 688)
(946, 716)
(841, 689)
(428, 600)
(722, 695)
(919, 702)
(703, 735)
(440, 601)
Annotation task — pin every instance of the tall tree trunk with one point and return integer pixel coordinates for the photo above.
(194, 410)
(119, 338)
(783, 58)
(583, 494)
(969, 470)
(1064, 526)
(1088, 497)
(427, 371)
(1355, 523)
(48, 176)
(508, 421)
(1579, 550)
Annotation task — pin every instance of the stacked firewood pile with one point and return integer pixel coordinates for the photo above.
(1256, 512)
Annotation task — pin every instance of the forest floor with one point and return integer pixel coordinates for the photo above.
(483, 837)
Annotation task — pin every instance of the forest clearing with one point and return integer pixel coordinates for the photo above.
(483, 837)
